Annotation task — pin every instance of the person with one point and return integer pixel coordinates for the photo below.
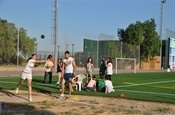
(108, 85)
(59, 69)
(102, 70)
(109, 67)
(53, 61)
(89, 68)
(68, 70)
(91, 86)
(48, 72)
(27, 74)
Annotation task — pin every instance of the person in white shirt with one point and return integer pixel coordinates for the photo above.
(48, 72)
(68, 70)
(27, 74)
(109, 67)
(108, 85)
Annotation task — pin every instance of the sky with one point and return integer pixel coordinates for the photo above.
(79, 18)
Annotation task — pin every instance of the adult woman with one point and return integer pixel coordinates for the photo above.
(59, 70)
(109, 68)
(89, 68)
(27, 74)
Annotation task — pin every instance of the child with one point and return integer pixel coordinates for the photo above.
(108, 85)
(92, 84)
(102, 69)
(59, 70)
(48, 72)
(89, 67)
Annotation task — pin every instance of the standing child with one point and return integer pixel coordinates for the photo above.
(59, 69)
(89, 68)
(109, 68)
(48, 72)
(102, 70)
(27, 74)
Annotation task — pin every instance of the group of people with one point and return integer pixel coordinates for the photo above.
(105, 73)
(65, 70)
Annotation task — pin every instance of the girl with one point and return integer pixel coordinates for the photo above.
(59, 70)
(102, 70)
(48, 73)
(89, 68)
(109, 68)
(27, 74)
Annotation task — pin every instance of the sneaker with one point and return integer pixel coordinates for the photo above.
(58, 83)
(62, 95)
(30, 99)
(17, 90)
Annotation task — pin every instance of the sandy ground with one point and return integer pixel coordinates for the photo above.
(52, 104)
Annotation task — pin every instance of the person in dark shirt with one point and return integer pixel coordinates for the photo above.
(59, 70)
(102, 70)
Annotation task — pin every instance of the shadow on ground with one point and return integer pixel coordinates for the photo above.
(22, 109)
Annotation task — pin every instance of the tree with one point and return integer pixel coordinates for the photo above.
(8, 44)
(143, 34)
(113, 49)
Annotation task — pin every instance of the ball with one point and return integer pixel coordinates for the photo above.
(42, 36)
(122, 95)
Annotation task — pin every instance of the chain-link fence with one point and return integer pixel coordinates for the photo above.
(103, 46)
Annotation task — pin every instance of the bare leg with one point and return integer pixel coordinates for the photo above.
(19, 84)
(30, 89)
(62, 87)
(59, 77)
(70, 89)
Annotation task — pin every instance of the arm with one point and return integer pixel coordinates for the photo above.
(74, 66)
(92, 67)
(106, 89)
(62, 68)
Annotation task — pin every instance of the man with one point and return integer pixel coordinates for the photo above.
(52, 68)
(68, 70)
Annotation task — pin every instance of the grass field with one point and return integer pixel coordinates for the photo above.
(157, 87)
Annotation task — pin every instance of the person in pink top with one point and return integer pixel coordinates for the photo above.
(91, 86)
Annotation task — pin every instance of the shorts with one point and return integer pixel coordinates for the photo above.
(68, 77)
(26, 76)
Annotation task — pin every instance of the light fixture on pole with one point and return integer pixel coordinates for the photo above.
(72, 50)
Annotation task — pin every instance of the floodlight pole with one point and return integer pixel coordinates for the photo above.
(72, 50)
(161, 22)
(56, 34)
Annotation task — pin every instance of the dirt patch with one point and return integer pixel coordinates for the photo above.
(52, 104)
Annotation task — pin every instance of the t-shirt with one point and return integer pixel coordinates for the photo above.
(91, 83)
(102, 69)
(109, 85)
(89, 68)
(29, 66)
(49, 64)
(68, 65)
(109, 69)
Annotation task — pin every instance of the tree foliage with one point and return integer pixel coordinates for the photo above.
(143, 34)
(8, 42)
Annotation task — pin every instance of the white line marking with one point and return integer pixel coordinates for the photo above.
(33, 83)
(145, 83)
(146, 92)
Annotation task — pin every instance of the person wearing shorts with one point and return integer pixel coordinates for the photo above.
(89, 68)
(109, 67)
(68, 70)
(27, 74)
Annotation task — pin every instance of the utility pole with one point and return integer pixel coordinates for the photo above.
(161, 22)
(17, 59)
(56, 34)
